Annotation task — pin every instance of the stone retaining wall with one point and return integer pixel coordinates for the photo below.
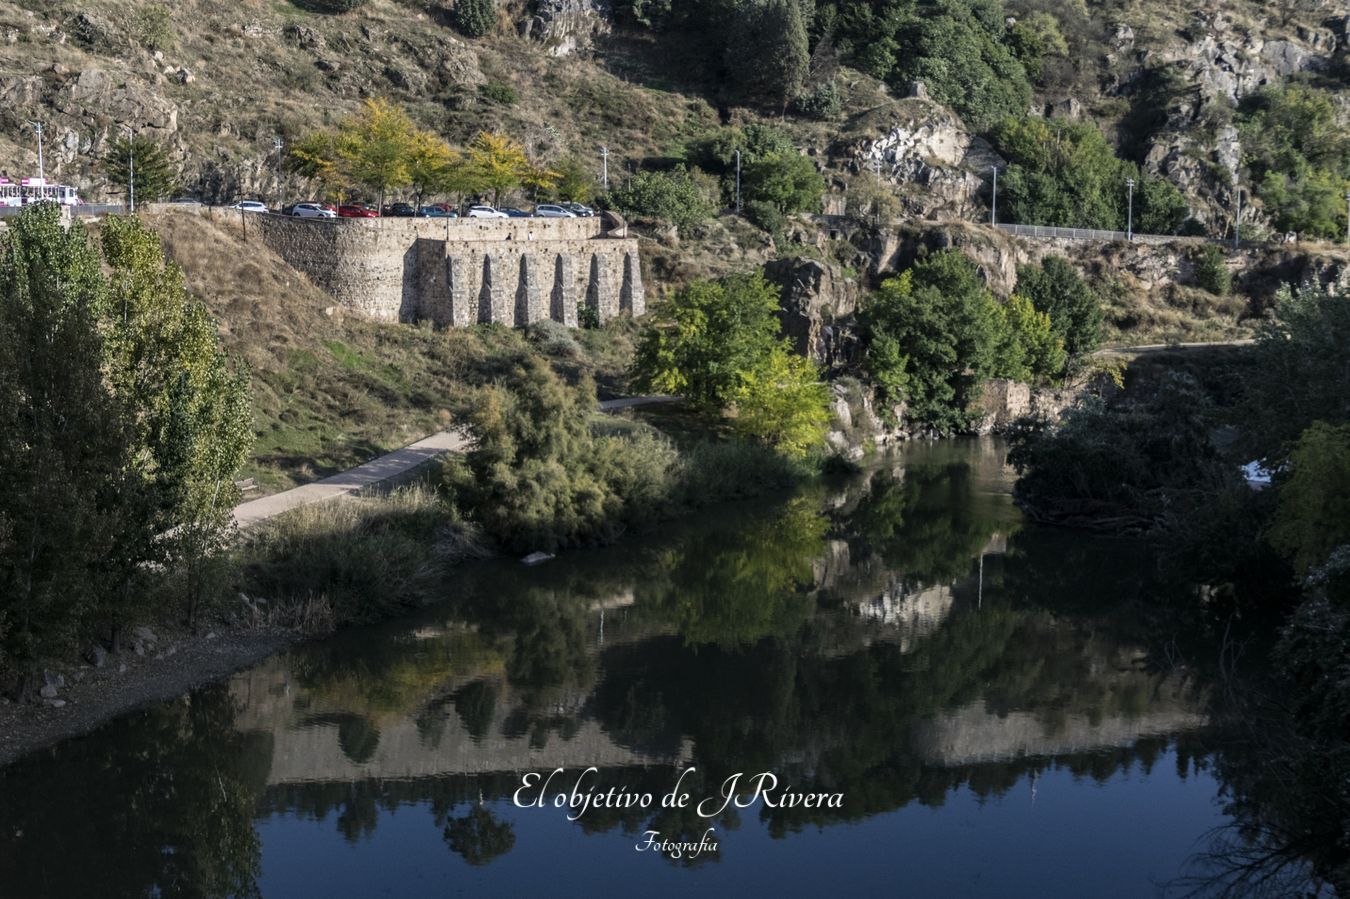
(460, 271)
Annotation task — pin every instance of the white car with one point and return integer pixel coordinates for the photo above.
(312, 211)
(250, 206)
(549, 211)
(486, 212)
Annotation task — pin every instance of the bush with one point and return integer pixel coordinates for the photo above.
(766, 217)
(500, 92)
(357, 560)
(787, 180)
(330, 6)
(539, 478)
(1119, 468)
(474, 18)
(673, 196)
(1211, 271)
(821, 102)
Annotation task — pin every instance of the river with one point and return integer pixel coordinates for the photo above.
(983, 707)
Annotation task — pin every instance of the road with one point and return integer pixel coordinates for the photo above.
(385, 468)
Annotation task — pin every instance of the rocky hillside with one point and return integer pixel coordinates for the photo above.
(220, 84)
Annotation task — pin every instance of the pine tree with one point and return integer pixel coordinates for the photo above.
(474, 18)
(155, 176)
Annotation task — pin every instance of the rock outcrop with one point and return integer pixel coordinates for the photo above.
(567, 26)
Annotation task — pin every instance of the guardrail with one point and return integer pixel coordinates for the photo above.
(1066, 233)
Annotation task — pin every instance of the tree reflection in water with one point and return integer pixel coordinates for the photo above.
(747, 641)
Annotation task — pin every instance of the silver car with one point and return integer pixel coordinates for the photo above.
(312, 211)
(549, 211)
(486, 212)
(250, 206)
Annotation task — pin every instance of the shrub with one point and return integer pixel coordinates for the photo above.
(1119, 468)
(1211, 271)
(359, 559)
(766, 217)
(500, 92)
(821, 102)
(330, 6)
(786, 179)
(539, 478)
(673, 196)
(474, 18)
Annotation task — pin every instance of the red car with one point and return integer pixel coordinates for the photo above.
(357, 211)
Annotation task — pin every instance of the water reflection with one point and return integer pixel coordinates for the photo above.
(897, 637)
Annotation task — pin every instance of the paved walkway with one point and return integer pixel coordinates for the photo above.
(385, 468)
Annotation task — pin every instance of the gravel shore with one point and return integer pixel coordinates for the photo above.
(90, 696)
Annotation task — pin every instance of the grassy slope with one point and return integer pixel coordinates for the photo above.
(332, 391)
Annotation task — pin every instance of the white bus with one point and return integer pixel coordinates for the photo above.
(36, 190)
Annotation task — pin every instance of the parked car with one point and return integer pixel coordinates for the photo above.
(514, 213)
(357, 211)
(311, 211)
(552, 211)
(399, 210)
(578, 209)
(250, 206)
(436, 212)
(486, 212)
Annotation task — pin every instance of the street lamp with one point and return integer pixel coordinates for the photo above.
(1129, 215)
(738, 182)
(131, 169)
(42, 172)
(604, 167)
(993, 202)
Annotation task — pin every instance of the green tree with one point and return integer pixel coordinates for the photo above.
(62, 442)
(539, 478)
(474, 18)
(767, 52)
(155, 177)
(1055, 288)
(941, 321)
(576, 181)
(702, 343)
(189, 412)
(788, 181)
(1313, 515)
(1027, 347)
(673, 196)
(1298, 155)
(782, 402)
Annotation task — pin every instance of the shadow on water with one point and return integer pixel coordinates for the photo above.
(899, 637)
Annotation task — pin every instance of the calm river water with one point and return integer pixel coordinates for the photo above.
(984, 698)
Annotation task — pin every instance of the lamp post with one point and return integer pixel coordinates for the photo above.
(604, 167)
(1129, 206)
(993, 202)
(738, 182)
(42, 170)
(131, 169)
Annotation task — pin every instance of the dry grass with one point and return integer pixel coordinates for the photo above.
(331, 391)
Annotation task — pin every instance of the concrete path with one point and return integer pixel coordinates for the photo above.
(386, 467)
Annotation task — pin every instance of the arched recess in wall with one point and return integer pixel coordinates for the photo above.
(595, 288)
(485, 304)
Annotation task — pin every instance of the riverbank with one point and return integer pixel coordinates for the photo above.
(92, 696)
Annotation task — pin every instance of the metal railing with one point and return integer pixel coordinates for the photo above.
(1066, 233)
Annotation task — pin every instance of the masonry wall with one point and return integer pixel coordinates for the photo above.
(460, 271)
